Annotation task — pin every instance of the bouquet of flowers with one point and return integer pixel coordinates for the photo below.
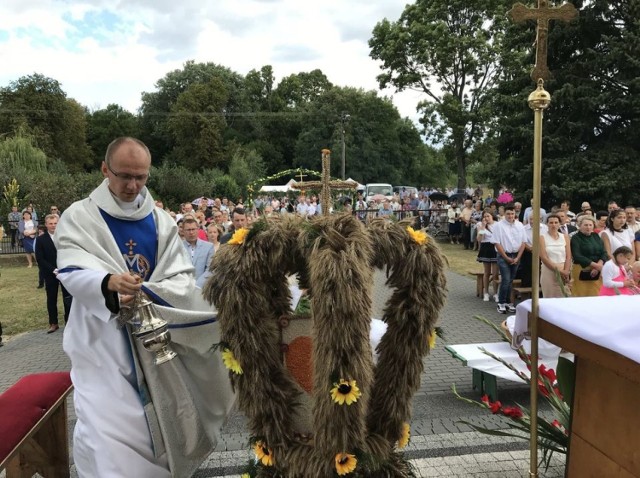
(553, 436)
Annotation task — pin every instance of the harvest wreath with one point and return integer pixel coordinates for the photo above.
(357, 412)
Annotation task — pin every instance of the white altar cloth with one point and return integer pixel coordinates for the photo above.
(475, 358)
(612, 322)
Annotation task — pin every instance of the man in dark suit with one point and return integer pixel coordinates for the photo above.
(421, 221)
(46, 255)
(565, 223)
(239, 220)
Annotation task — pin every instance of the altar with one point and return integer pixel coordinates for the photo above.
(604, 335)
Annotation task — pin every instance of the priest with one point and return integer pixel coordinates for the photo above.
(136, 418)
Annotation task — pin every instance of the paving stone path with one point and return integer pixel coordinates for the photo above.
(440, 445)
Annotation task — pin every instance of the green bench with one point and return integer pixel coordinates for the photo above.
(485, 369)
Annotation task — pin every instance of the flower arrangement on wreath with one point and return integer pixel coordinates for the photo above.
(553, 435)
(360, 413)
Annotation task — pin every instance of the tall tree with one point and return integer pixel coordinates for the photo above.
(197, 124)
(448, 50)
(38, 106)
(265, 110)
(298, 90)
(590, 140)
(156, 106)
(380, 146)
(106, 124)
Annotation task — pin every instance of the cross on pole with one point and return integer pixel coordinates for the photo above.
(326, 184)
(543, 13)
(300, 175)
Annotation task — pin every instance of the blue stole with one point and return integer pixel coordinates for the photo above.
(138, 242)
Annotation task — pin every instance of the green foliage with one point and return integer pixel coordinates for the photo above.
(38, 106)
(10, 193)
(107, 124)
(379, 144)
(174, 185)
(301, 89)
(197, 124)
(226, 186)
(18, 153)
(45, 189)
(590, 137)
(449, 50)
(246, 167)
(157, 105)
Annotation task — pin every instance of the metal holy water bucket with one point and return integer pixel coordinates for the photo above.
(153, 331)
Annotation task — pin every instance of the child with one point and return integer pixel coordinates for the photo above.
(635, 275)
(615, 280)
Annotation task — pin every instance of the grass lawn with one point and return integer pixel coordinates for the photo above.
(23, 308)
(460, 261)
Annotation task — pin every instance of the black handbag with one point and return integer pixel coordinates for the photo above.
(585, 274)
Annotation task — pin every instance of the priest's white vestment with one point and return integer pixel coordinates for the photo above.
(136, 418)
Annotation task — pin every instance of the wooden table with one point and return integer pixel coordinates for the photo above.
(604, 335)
(605, 424)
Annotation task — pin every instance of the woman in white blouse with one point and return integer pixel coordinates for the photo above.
(555, 254)
(28, 229)
(617, 234)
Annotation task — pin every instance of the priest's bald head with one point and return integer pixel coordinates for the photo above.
(126, 165)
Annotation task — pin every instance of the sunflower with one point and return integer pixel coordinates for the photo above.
(404, 438)
(345, 391)
(345, 463)
(231, 362)
(239, 236)
(263, 453)
(419, 236)
(431, 338)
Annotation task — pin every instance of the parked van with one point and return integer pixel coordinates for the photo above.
(372, 189)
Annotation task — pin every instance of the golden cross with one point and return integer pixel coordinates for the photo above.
(542, 14)
(301, 175)
(326, 184)
(130, 244)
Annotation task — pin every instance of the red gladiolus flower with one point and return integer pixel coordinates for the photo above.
(542, 389)
(512, 412)
(495, 407)
(556, 424)
(485, 400)
(549, 373)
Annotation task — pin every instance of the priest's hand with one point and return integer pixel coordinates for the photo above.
(124, 284)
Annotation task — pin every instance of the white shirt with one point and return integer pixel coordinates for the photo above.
(556, 248)
(635, 227)
(302, 209)
(610, 271)
(618, 239)
(529, 211)
(510, 235)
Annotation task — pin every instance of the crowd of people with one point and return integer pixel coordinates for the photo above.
(581, 254)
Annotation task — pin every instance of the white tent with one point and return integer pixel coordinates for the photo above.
(359, 187)
(278, 189)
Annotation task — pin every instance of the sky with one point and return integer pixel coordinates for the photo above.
(110, 51)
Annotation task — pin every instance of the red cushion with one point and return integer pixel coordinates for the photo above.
(25, 403)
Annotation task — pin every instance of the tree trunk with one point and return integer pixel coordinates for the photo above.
(461, 160)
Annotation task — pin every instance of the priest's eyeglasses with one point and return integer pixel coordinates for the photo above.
(128, 177)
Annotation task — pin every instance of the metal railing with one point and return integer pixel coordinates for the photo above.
(437, 222)
(11, 243)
